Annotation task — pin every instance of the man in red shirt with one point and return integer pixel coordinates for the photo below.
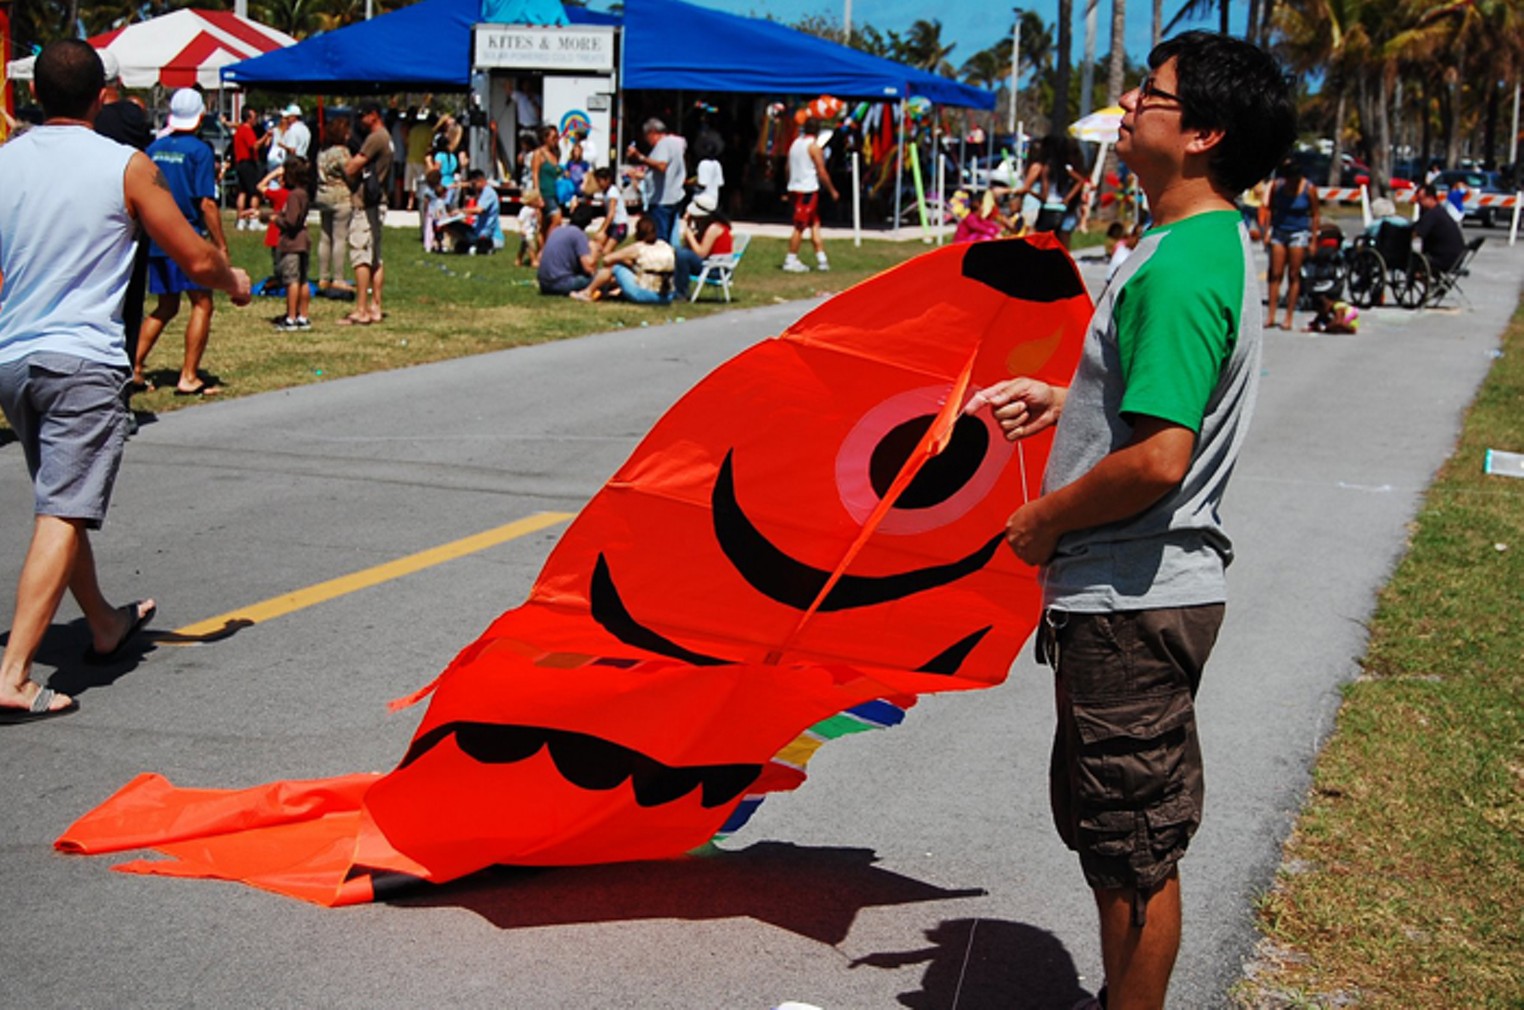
(246, 167)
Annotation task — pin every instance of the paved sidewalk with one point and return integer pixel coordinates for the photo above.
(916, 868)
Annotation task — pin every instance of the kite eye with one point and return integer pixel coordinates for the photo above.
(947, 486)
(943, 475)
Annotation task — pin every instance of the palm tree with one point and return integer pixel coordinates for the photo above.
(1087, 65)
(1326, 36)
(1193, 9)
(922, 47)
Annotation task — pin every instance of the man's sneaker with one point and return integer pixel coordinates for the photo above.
(1096, 1002)
(303, 323)
(794, 266)
(822, 264)
(287, 325)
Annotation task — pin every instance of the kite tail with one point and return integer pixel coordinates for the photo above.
(310, 839)
(786, 770)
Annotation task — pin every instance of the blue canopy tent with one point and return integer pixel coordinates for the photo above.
(675, 45)
(668, 44)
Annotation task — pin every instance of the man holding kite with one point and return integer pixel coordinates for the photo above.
(1126, 529)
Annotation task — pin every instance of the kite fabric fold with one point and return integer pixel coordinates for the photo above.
(803, 544)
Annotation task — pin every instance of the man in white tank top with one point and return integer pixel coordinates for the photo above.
(806, 174)
(69, 213)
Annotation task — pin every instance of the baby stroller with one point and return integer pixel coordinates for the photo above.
(1324, 271)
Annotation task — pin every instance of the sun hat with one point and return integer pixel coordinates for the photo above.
(186, 109)
(706, 203)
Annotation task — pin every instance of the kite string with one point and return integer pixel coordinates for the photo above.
(963, 969)
(1021, 464)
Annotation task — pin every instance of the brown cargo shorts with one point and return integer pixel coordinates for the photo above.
(1126, 777)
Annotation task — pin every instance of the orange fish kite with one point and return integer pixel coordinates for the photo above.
(805, 542)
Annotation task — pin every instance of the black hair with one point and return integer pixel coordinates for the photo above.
(68, 76)
(1116, 230)
(1227, 84)
(1428, 190)
(475, 174)
(367, 108)
(811, 127)
(645, 229)
(585, 215)
(604, 174)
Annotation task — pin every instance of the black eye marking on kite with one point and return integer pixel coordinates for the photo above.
(591, 763)
(608, 609)
(951, 658)
(1022, 270)
(940, 477)
(776, 575)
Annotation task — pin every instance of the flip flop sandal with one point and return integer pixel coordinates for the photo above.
(41, 708)
(95, 658)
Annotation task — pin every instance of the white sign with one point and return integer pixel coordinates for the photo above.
(527, 47)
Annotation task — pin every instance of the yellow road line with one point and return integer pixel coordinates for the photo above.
(279, 606)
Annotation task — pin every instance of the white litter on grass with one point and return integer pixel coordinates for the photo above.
(1504, 464)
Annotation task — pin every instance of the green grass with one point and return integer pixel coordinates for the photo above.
(1408, 890)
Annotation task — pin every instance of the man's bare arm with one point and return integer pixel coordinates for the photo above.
(1125, 482)
(150, 201)
(820, 170)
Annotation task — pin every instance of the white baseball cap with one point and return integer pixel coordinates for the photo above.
(292, 110)
(186, 109)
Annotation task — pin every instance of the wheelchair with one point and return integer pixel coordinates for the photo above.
(1386, 264)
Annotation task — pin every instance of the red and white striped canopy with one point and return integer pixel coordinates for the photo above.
(180, 50)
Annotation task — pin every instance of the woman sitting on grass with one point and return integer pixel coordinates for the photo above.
(641, 271)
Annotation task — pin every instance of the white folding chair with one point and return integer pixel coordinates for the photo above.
(720, 270)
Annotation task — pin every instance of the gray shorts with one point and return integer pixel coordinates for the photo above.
(292, 268)
(1126, 780)
(70, 416)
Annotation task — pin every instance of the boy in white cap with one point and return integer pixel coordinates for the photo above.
(188, 167)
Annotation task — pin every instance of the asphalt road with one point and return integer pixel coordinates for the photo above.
(917, 867)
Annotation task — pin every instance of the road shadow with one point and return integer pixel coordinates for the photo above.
(987, 964)
(814, 892)
(63, 648)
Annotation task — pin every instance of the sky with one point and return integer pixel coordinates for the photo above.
(971, 24)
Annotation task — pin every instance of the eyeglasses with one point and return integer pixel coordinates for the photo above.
(1148, 89)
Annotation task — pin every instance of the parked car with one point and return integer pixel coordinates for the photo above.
(1479, 182)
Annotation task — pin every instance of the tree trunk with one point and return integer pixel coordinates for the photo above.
(1453, 115)
(1087, 68)
(1061, 71)
(1381, 157)
(1223, 27)
(1118, 63)
(1490, 127)
(1337, 156)
(1251, 31)
(1158, 23)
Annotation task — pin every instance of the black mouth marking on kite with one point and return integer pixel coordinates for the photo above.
(778, 576)
(591, 763)
(1021, 270)
(608, 609)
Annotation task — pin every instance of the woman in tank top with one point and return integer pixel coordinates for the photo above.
(1293, 222)
(545, 169)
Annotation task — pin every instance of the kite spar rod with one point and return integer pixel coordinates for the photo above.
(935, 439)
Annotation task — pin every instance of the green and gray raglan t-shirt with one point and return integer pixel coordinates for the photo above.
(1175, 335)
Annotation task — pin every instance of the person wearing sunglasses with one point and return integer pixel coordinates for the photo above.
(1126, 530)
